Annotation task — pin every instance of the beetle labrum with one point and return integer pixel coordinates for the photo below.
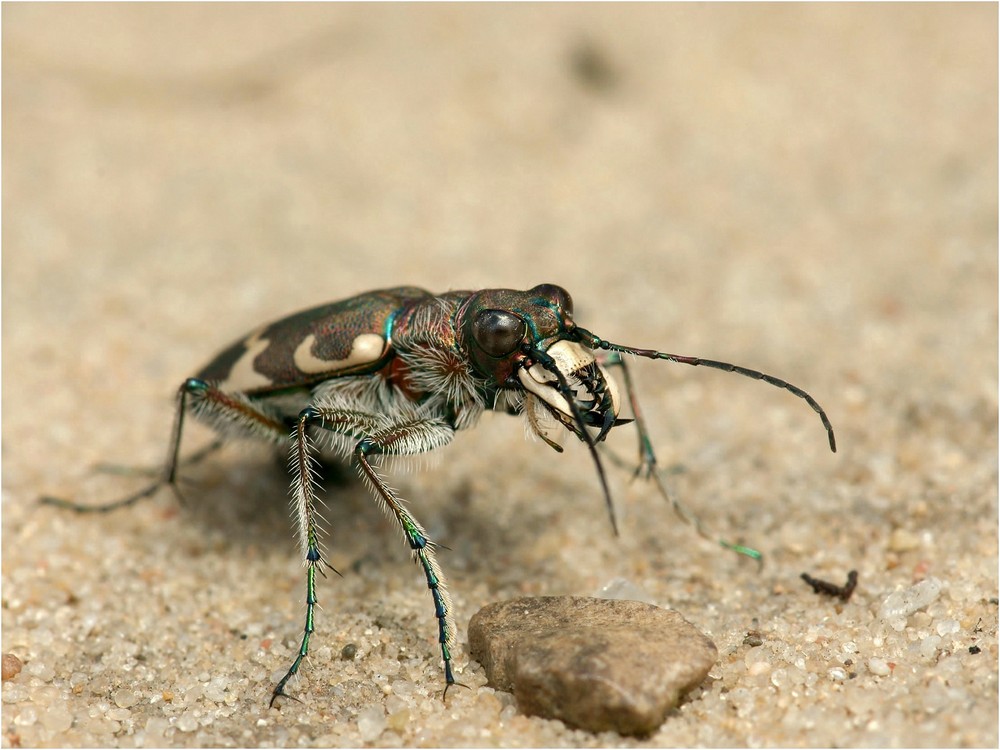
(398, 372)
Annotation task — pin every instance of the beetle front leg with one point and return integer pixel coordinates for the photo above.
(647, 458)
(648, 468)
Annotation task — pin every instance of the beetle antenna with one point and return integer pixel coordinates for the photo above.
(595, 342)
(567, 393)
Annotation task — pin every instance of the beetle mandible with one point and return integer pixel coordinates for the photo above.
(398, 372)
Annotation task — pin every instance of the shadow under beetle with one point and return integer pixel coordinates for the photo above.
(400, 371)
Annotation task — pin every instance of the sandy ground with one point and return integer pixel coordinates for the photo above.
(807, 190)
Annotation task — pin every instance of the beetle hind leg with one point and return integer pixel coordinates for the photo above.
(207, 401)
(167, 475)
(155, 472)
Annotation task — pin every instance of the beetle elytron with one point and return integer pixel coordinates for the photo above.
(399, 372)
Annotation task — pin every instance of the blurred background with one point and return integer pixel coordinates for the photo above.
(809, 190)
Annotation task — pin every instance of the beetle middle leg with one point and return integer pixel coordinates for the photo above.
(648, 469)
(224, 410)
(404, 433)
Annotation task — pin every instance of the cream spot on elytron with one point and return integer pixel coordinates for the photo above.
(243, 376)
(367, 347)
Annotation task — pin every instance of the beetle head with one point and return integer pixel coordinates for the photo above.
(526, 342)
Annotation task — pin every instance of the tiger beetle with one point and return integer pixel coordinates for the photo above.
(400, 371)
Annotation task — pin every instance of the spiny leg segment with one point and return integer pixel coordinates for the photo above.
(405, 433)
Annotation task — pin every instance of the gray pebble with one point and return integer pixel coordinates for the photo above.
(596, 664)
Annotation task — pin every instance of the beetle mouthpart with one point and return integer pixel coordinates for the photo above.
(594, 392)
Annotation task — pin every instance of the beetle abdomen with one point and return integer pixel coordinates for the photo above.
(349, 337)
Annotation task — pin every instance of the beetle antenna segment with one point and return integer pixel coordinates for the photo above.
(567, 393)
(595, 342)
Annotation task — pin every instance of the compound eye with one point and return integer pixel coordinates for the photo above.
(498, 332)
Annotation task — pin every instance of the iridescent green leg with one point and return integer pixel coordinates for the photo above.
(648, 469)
(404, 434)
(279, 689)
(304, 497)
(416, 537)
